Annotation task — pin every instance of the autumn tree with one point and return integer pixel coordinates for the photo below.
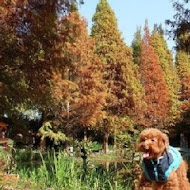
(24, 65)
(66, 71)
(29, 30)
(123, 88)
(12, 81)
(170, 73)
(152, 78)
(77, 88)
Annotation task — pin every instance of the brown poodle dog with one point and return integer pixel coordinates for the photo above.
(163, 166)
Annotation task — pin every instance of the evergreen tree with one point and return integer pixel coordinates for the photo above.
(170, 73)
(152, 78)
(123, 88)
(136, 44)
(183, 68)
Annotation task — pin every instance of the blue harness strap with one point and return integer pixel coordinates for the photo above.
(159, 170)
(176, 160)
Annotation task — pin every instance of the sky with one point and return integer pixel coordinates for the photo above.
(131, 14)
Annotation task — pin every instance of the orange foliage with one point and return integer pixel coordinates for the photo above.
(152, 78)
(77, 86)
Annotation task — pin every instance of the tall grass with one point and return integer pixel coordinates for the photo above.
(61, 172)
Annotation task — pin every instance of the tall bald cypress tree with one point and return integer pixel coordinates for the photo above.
(124, 89)
(152, 77)
(170, 73)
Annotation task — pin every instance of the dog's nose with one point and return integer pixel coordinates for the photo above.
(145, 147)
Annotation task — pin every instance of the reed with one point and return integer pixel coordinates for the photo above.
(60, 172)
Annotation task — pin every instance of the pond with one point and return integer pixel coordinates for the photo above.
(61, 169)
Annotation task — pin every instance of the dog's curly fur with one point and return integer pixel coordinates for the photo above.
(157, 143)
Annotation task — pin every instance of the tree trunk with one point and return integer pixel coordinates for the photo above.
(68, 110)
(105, 143)
(114, 141)
(43, 144)
(85, 135)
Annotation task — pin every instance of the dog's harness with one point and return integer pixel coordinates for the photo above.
(159, 170)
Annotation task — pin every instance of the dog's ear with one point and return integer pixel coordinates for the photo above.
(165, 141)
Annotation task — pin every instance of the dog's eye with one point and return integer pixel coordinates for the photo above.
(152, 140)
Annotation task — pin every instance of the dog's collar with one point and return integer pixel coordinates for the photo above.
(161, 157)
